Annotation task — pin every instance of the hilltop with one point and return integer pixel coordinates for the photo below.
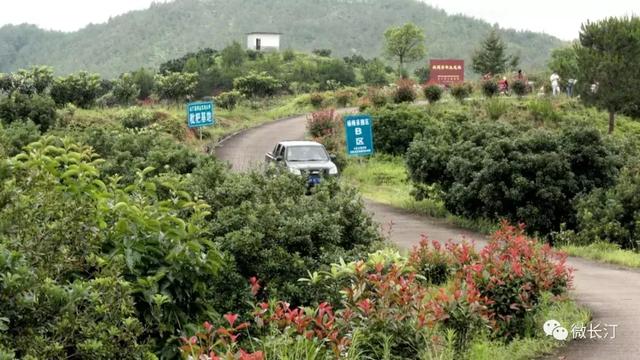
(168, 30)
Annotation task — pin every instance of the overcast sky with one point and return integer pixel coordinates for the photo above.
(561, 18)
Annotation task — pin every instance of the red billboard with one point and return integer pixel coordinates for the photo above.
(446, 71)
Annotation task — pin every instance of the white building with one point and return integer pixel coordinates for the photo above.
(263, 41)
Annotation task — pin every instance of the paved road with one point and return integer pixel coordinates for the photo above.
(612, 294)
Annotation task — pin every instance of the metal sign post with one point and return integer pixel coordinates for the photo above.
(359, 134)
(200, 114)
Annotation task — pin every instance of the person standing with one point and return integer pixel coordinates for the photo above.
(571, 83)
(555, 83)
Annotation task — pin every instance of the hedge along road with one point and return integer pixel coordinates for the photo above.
(612, 294)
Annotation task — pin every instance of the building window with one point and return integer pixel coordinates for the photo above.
(258, 44)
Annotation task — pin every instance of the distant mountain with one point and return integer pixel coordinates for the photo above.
(168, 30)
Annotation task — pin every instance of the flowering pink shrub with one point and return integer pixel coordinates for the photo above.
(391, 298)
(322, 123)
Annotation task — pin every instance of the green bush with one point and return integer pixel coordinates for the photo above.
(15, 136)
(489, 88)
(19, 107)
(461, 91)
(396, 127)
(433, 93)
(542, 110)
(135, 117)
(498, 171)
(125, 89)
(276, 232)
(611, 215)
(228, 100)
(495, 108)
(127, 152)
(80, 89)
(134, 257)
(257, 85)
(404, 92)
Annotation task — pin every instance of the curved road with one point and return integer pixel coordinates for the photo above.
(612, 294)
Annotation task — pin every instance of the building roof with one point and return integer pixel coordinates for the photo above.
(263, 33)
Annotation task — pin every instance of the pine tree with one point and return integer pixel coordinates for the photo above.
(609, 65)
(492, 56)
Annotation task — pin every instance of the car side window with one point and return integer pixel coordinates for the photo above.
(275, 151)
(280, 152)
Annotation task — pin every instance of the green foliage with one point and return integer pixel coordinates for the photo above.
(333, 73)
(433, 93)
(276, 232)
(175, 87)
(396, 127)
(495, 108)
(135, 150)
(489, 88)
(80, 89)
(125, 89)
(145, 81)
(609, 56)
(135, 118)
(611, 215)
(542, 110)
(322, 52)
(98, 312)
(461, 91)
(72, 228)
(564, 62)
(422, 73)
(15, 136)
(404, 43)
(525, 176)
(36, 80)
(491, 57)
(40, 109)
(228, 100)
(375, 73)
(404, 92)
(233, 55)
(257, 85)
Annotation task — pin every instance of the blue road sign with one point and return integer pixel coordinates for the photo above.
(359, 135)
(200, 114)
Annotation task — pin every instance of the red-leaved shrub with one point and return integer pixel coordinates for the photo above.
(391, 300)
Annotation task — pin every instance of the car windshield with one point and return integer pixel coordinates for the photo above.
(306, 153)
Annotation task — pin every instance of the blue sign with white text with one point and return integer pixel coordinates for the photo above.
(359, 135)
(200, 114)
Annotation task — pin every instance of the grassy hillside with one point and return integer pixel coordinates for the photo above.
(168, 30)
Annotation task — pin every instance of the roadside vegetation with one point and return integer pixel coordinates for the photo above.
(120, 238)
(457, 164)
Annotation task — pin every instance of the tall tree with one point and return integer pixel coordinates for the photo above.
(176, 87)
(233, 55)
(564, 62)
(404, 43)
(492, 56)
(609, 59)
(125, 89)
